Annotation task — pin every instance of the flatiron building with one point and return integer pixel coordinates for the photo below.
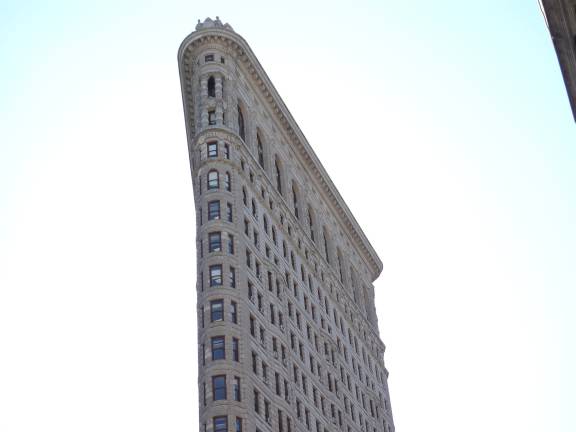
(287, 328)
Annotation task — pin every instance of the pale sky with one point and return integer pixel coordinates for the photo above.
(454, 114)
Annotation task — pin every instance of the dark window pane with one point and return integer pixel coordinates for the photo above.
(216, 275)
(217, 310)
(213, 210)
(219, 387)
(220, 424)
(212, 150)
(218, 350)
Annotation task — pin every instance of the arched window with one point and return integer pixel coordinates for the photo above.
(213, 181)
(295, 199)
(278, 175)
(227, 181)
(311, 223)
(241, 126)
(260, 151)
(211, 87)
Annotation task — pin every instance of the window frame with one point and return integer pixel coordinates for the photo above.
(215, 274)
(219, 390)
(218, 352)
(215, 241)
(214, 210)
(212, 180)
(216, 314)
(220, 428)
(212, 149)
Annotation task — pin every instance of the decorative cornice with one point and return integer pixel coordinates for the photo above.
(557, 19)
(224, 35)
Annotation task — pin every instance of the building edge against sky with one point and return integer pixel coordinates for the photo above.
(287, 327)
(560, 18)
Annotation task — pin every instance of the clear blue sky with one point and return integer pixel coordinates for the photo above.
(454, 113)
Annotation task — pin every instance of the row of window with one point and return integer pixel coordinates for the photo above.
(212, 151)
(216, 271)
(220, 390)
(217, 312)
(213, 181)
(301, 378)
(298, 348)
(262, 406)
(218, 349)
(216, 279)
(330, 354)
(215, 243)
(220, 424)
(215, 212)
(208, 58)
(311, 223)
(337, 320)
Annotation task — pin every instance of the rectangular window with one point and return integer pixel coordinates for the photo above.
(238, 424)
(277, 382)
(212, 149)
(248, 259)
(235, 349)
(215, 275)
(220, 424)
(229, 214)
(218, 348)
(254, 363)
(209, 57)
(219, 387)
(234, 312)
(227, 151)
(232, 277)
(215, 242)
(213, 210)
(280, 422)
(256, 401)
(211, 117)
(236, 389)
(230, 244)
(217, 310)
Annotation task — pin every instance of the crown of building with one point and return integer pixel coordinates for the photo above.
(210, 23)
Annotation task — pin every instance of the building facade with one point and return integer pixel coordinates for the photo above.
(560, 18)
(287, 328)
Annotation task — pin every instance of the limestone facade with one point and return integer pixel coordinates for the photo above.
(287, 328)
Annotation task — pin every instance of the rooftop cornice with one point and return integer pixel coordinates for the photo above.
(556, 16)
(225, 35)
